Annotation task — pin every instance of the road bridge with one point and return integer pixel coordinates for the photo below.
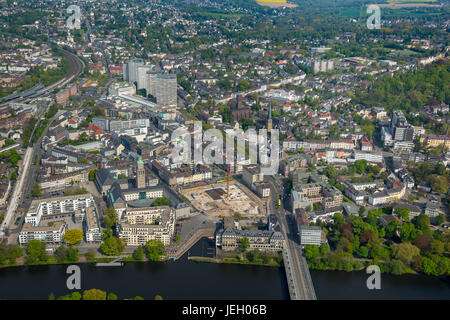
(297, 273)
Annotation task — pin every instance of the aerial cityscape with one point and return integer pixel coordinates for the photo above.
(224, 150)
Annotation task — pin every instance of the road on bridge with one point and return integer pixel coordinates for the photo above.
(297, 272)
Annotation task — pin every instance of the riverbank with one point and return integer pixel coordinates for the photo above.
(233, 261)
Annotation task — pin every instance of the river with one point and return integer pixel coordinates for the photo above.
(186, 279)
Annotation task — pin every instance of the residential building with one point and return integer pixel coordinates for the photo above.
(56, 205)
(311, 235)
(92, 227)
(264, 240)
(52, 234)
(138, 226)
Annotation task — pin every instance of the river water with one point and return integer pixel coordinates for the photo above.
(186, 279)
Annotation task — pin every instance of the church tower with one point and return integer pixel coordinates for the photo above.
(140, 178)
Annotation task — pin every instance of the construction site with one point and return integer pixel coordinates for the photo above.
(212, 200)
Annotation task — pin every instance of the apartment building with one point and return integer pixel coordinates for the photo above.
(92, 231)
(163, 87)
(310, 188)
(387, 196)
(137, 226)
(183, 175)
(311, 235)
(49, 234)
(375, 157)
(56, 205)
(265, 240)
(432, 140)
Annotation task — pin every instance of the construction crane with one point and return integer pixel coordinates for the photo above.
(228, 181)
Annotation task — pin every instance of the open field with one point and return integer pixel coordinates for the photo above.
(276, 3)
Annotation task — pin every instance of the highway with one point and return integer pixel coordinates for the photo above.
(297, 272)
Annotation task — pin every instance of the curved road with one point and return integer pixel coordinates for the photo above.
(76, 67)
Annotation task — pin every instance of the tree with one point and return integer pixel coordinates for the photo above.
(392, 228)
(440, 219)
(138, 254)
(110, 218)
(158, 297)
(417, 262)
(253, 255)
(439, 184)
(423, 242)
(344, 245)
(437, 246)
(330, 171)
(111, 296)
(90, 255)
(429, 266)
(138, 298)
(12, 252)
(76, 295)
(92, 174)
(360, 166)
(378, 252)
(73, 237)
(35, 251)
(362, 252)
(94, 294)
(154, 250)
(406, 231)
(311, 252)
(110, 246)
(405, 252)
(338, 219)
(362, 210)
(159, 202)
(66, 254)
(422, 222)
(366, 235)
(237, 215)
(397, 267)
(324, 249)
(61, 253)
(402, 213)
(244, 243)
(37, 191)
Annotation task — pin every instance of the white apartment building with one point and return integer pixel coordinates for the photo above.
(310, 235)
(48, 234)
(133, 227)
(136, 194)
(57, 205)
(92, 227)
(375, 157)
